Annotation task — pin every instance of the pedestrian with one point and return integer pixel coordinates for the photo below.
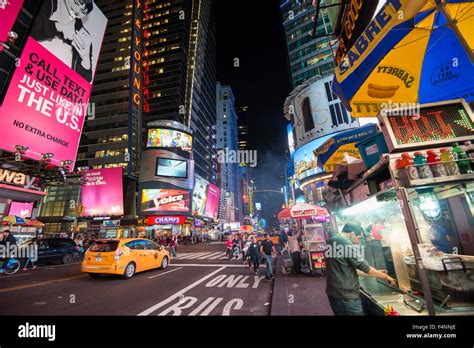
(229, 246)
(268, 250)
(342, 281)
(172, 246)
(282, 240)
(245, 247)
(243, 242)
(8, 241)
(34, 246)
(236, 247)
(295, 249)
(253, 254)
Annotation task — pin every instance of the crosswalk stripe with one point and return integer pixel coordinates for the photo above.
(197, 255)
(218, 256)
(211, 256)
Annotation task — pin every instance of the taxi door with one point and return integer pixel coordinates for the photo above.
(137, 253)
(153, 255)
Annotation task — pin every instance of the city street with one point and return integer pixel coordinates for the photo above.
(201, 281)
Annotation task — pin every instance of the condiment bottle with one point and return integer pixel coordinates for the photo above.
(447, 159)
(436, 166)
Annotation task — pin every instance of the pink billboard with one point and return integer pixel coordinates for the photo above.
(21, 209)
(9, 10)
(46, 102)
(212, 204)
(102, 192)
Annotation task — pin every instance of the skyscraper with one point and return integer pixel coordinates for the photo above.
(180, 72)
(309, 55)
(227, 145)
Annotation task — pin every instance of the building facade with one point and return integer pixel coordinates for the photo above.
(308, 55)
(227, 144)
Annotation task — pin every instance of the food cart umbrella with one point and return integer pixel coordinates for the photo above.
(35, 223)
(14, 220)
(285, 214)
(305, 210)
(412, 52)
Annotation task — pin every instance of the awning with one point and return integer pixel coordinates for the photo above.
(332, 151)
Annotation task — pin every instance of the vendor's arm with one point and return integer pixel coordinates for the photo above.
(377, 274)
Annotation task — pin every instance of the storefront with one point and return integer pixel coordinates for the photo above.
(418, 223)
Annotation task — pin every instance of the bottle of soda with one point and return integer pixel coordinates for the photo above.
(447, 159)
(436, 166)
(424, 171)
(469, 149)
(406, 163)
(464, 163)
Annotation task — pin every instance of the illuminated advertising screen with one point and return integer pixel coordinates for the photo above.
(171, 168)
(212, 204)
(102, 192)
(291, 139)
(156, 200)
(23, 210)
(46, 102)
(441, 123)
(9, 11)
(306, 163)
(200, 196)
(168, 138)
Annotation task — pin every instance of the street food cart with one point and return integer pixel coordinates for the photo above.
(314, 244)
(421, 227)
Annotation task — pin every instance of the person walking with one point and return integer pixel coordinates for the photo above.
(34, 246)
(8, 241)
(236, 247)
(268, 250)
(253, 254)
(295, 249)
(282, 240)
(342, 281)
(229, 246)
(172, 246)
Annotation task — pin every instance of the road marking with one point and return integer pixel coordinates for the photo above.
(179, 293)
(158, 275)
(210, 265)
(18, 275)
(21, 287)
(211, 256)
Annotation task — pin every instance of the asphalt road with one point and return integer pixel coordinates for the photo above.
(200, 281)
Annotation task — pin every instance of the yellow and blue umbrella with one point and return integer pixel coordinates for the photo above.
(14, 220)
(413, 51)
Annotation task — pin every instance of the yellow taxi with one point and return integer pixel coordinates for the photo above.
(124, 256)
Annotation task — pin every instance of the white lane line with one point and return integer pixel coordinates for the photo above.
(179, 293)
(219, 255)
(18, 275)
(208, 265)
(158, 275)
(69, 264)
(210, 256)
(183, 255)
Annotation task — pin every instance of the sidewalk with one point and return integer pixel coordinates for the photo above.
(299, 294)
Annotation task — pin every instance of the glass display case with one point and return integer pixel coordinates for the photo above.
(445, 223)
(385, 246)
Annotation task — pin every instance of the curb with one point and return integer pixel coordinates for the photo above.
(280, 305)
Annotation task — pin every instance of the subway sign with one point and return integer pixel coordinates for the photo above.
(166, 220)
(11, 177)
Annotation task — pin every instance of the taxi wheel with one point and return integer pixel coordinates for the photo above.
(129, 271)
(164, 263)
(94, 275)
(67, 259)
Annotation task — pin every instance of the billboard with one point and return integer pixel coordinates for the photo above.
(212, 204)
(102, 192)
(21, 209)
(9, 11)
(168, 138)
(157, 200)
(306, 163)
(200, 196)
(171, 168)
(317, 111)
(46, 102)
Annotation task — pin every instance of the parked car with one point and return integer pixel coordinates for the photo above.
(56, 250)
(124, 257)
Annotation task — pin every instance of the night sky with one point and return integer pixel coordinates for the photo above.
(253, 32)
